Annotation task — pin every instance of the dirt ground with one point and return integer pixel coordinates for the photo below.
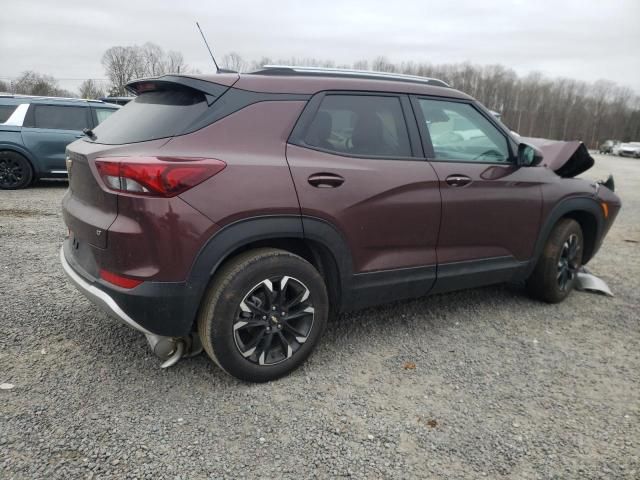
(503, 386)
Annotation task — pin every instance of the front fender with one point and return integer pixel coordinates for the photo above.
(588, 205)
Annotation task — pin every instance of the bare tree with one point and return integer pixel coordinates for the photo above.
(234, 61)
(33, 83)
(120, 66)
(90, 89)
(123, 64)
(174, 63)
(152, 59)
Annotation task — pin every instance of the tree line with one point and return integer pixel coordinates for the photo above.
(533, 105)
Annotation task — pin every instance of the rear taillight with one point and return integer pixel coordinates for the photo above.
(156, 176)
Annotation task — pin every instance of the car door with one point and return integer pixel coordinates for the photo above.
(357, 163)
(491, 207)
(48, 129)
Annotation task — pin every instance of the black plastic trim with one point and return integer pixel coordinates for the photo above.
(236, 99)
(579, 204)
(163, 308)
(477, 273)
(237, 234)
(375, 288)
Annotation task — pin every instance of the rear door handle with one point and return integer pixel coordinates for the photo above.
(325, 180)
(458, 180)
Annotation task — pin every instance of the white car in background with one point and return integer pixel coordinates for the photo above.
(631, 149)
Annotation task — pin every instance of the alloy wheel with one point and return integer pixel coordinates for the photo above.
(11, 172)
(273, 320)
(568, 263)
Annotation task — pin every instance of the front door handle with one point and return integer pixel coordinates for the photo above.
(325, 180)
(458, 180)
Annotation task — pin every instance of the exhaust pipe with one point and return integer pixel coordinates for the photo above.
(168, 349)
(171, 349)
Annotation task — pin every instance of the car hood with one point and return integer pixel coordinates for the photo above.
(567, 159)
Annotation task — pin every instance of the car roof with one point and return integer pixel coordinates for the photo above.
(11, 99)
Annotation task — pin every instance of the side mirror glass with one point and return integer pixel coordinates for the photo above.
(528, 156)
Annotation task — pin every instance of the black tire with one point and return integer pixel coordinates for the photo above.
(554, 276)
(238, 312)
(15, 171)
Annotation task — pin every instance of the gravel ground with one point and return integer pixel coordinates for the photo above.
(503, 386)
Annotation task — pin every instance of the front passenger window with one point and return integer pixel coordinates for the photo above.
(460, 133)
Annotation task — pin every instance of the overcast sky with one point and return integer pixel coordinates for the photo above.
(584, 39)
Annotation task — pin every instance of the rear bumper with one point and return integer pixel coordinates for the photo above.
(98, 297)
(153, 308)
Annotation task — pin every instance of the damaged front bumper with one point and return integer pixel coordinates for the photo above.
(588, 282)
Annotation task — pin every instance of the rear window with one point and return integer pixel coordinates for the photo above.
(6, 111)
(152, 115)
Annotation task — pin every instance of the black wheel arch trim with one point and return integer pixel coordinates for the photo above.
(244, 232)
(566, 207)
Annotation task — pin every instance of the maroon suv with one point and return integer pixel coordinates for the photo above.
(241, 211)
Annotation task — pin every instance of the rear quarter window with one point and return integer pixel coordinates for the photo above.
(152, 115)
(6, 111)
(103, 113)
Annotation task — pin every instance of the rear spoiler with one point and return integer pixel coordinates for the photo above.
(210, 88)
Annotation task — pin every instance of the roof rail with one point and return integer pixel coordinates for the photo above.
(339, 72)
(45, 97)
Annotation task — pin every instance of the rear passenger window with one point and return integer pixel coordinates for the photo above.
(60, 117)
(363, 125)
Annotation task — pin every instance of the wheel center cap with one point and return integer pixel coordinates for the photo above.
(274, 319)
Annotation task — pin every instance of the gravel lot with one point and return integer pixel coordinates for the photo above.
(503, 386)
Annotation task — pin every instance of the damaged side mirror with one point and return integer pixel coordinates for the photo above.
(528, 156)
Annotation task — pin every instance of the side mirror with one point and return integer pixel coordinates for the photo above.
(528, 156)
